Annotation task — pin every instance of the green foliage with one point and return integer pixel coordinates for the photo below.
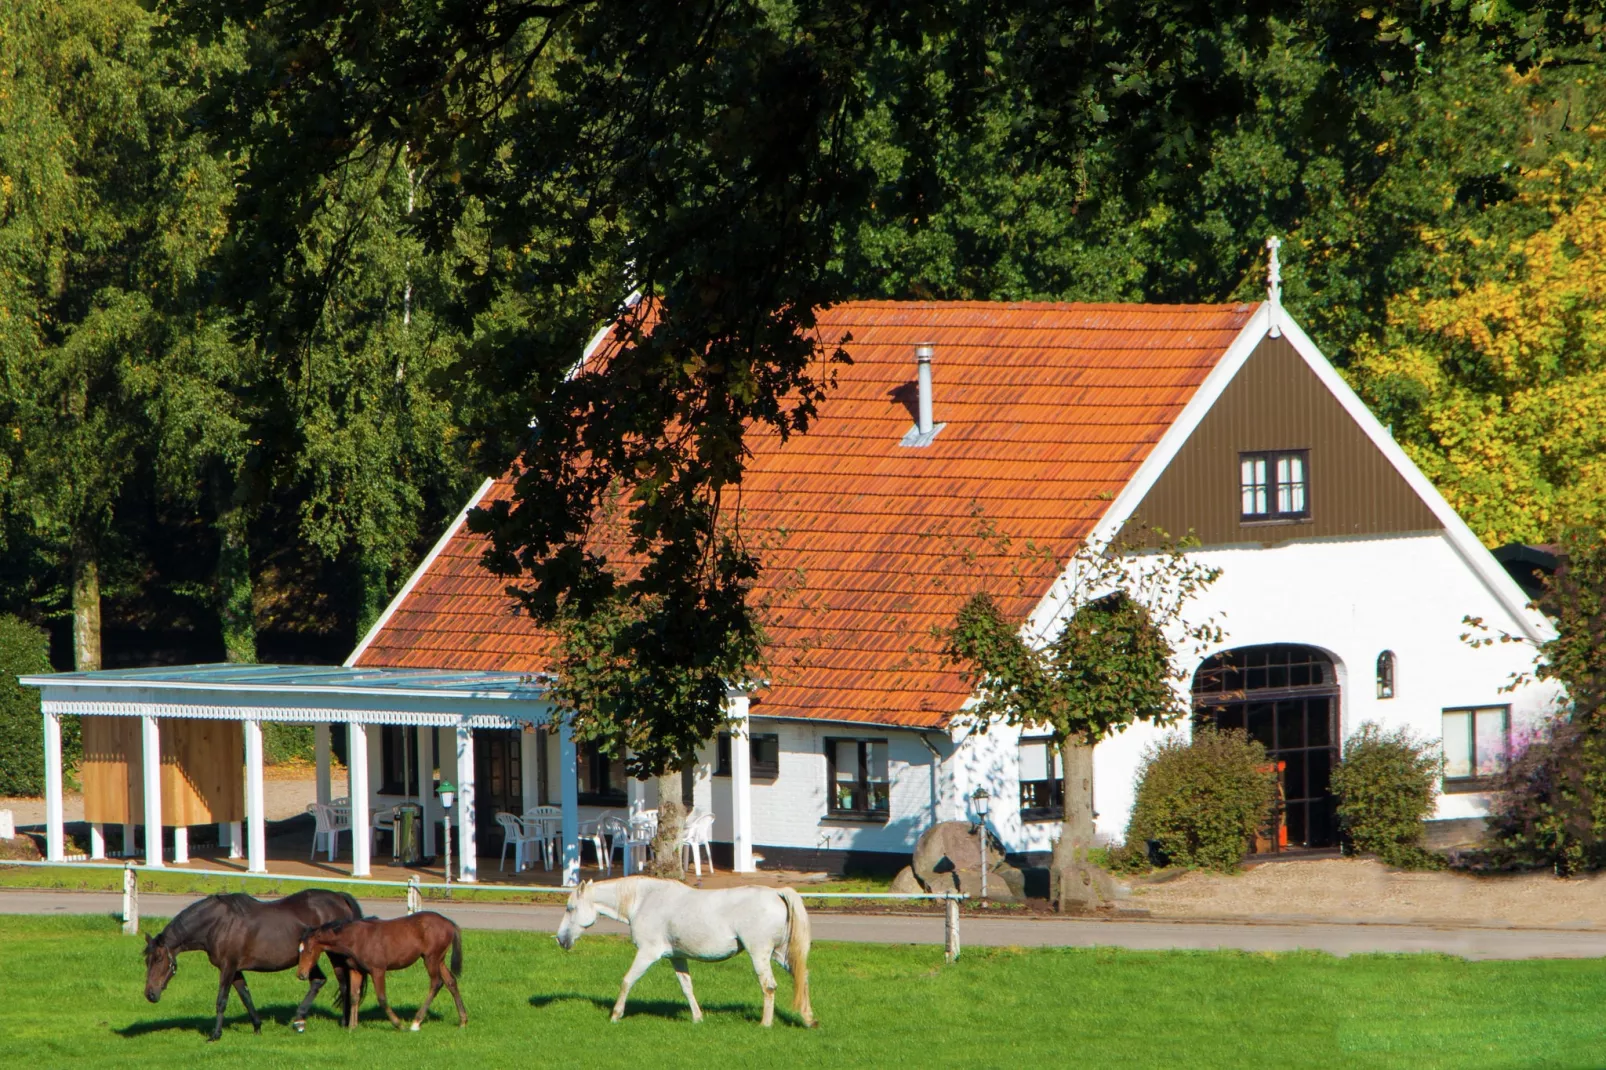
(25, 650)
(1385, 786)
(283, 743)
(1202, 799)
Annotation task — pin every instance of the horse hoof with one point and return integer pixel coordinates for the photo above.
(413, 1028)
(299, 1027)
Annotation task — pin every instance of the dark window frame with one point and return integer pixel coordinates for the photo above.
(390, 753)
(599, 763)
(861, 791)
(1272, 513)
(757, 770)
(1462, 785)
(1043, 800)
(1386, 664)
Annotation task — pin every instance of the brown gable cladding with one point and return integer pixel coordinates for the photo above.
(868, 545)
(1275, 402)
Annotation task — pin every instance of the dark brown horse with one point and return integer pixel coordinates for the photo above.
(372, 946)
(240, 933)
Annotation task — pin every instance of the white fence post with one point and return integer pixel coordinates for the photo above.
(130, 900)
(414, 903)
(951, 929)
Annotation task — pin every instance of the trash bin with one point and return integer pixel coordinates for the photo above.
(409, 824)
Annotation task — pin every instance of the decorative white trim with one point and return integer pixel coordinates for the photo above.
(1468, 545)
(418, 573)
(288, 714)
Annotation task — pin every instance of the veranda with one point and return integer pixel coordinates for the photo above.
(178, 747)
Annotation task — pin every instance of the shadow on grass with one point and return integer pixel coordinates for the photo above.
(664, 1008)
(278, 1014)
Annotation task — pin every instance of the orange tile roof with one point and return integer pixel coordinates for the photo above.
(867, 545)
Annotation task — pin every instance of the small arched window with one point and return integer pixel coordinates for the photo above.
(1385, 674)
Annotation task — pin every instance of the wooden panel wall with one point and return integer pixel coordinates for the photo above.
(1276, 402)
(113, 791)
(203, 764)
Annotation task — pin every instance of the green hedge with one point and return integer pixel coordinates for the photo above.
(1202, 800)
(287, 743)
(1385, 786)
(25, 649)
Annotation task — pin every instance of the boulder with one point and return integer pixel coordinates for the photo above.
(905, 882)
(948, 859)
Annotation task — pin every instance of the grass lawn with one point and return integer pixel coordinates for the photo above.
(71, 993)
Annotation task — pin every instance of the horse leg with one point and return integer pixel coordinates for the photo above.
(354, 987)
(225, 977)
(457, 997)
(644, 959)
(245, 997)
(384, 1004)
(683, 972)
(434, 966)
(766, 981)
(299, 1022)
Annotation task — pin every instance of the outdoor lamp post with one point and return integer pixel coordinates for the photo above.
(980, 802)
(448, 796)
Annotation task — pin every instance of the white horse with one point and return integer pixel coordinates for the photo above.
(670, 920)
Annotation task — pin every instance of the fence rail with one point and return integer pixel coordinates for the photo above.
(950, 900)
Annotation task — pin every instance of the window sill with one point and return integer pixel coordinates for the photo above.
(1272, 521)
(858, 817)
(755, 776)
(1471, 785)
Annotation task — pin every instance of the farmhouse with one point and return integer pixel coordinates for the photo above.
(970, 446)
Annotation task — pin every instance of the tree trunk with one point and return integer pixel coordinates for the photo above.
(85, 606)
(374, 576)
(1075, 883)
(671, 821)
(232, 578)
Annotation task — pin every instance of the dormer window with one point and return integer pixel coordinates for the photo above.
(1274, 485)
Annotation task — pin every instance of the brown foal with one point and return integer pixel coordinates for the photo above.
(372, 946)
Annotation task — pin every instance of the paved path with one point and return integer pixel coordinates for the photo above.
(1139, 934)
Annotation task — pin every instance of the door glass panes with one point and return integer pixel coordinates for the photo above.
(1034, 759)
(1253, 480)
(1489, 741)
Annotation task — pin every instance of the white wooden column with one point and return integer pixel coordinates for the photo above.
(181, 845)
(256, 817)
(531, 739)
(232, 833)
(357, 788)
(569, 790)
(150, 737)
(635, 791)
(426, 786)
(741, 785)
(468, 865)
(55, 824)
(97, 840)
(128, 838)
(320, 746)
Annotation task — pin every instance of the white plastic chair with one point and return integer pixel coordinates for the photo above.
(609, 833)
(328, 823)
(698, 833)
(641, 830)
(382, 821)
(515, 834)
(547, 822)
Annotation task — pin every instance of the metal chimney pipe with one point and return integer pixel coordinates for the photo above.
(923, 354)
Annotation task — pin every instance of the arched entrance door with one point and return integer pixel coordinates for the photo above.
(1286, 697)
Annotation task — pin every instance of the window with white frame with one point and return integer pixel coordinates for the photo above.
(1274, 485)
(1477, 746)
(1041, 780)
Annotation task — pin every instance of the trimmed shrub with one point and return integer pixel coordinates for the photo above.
(283, 743)
(1550, 812)
(24, 650)
(1385, 785)
(1201, 800)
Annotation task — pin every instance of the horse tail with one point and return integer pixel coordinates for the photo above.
(797, 953)
(457, 951)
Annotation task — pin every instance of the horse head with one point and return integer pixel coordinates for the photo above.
(160, 966)
(579, 914)
(314, 942)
